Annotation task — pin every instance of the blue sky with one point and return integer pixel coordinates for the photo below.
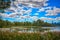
(46, 10)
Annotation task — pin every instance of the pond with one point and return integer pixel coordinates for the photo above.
(42, 29)
(53, 28)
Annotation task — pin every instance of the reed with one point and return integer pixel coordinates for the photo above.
(29, 36)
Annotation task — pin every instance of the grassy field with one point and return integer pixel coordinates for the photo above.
(29, 36)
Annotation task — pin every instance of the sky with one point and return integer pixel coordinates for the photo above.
(32, 10)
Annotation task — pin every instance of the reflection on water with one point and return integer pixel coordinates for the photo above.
(42, 29)
(53, 28)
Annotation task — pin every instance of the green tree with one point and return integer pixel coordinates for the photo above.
(4, 4)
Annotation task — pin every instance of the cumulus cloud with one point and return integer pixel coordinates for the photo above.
(53, 12)
(28, 18)
(44, 9)
(48, 8)
(34, 18)
(50, 19)
(28, 11)
(18, 10)
(57, 18)
(4, 15)
(45, 18)
(33, 3)
(41, 9)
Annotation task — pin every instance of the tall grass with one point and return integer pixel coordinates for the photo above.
(29, 36)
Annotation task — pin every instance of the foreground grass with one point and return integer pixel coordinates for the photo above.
(29, 36)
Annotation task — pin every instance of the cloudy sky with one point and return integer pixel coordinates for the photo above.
(32, 10)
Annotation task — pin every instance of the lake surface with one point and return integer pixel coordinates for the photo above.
(53, 28)
(32, 29)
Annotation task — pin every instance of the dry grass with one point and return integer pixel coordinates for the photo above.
(29, 36)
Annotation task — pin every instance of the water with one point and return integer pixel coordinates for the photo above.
(19, 29)
(42, 29)
(53, 28)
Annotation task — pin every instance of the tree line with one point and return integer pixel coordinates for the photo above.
(6, 23)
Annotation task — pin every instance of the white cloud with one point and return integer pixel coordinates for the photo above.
(48, 8)
(28, 11)
(31, 0)
(53, 12)
(13, 15)
(46, 4)
(41, 10)
(34, 18)
(32, 3)
(18, 10)
(57, 18)
(44, 9)
(45, 18)
(4, 15)
(50, 19)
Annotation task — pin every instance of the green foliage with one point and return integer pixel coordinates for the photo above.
(6, 23)
(4, 4)
(28, 36)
